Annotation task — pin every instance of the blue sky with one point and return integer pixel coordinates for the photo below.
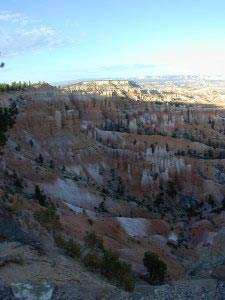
(64, 40)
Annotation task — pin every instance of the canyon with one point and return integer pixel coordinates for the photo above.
(140, 164)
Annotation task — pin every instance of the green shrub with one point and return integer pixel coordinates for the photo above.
(39, 195)
(43, 200)
(72, 249)
(155, 266)
(49, 218)
(90, 222)
(117, 271)
(39, 159)
(92, 241)
(59, 241)
(111, 267)
(93, 261)
(107, 263)
(171, 189)
(17, 181)
(102, 208)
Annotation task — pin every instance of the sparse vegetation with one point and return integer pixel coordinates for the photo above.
(92, 241)
(17, 180)
(49, 219)
(111, 267)
(155, 266)
(92, 261)
(101, 208)
(90, 222)
(40, 196)
(7, 120)
(107, 263)
(59, 241)
(171, 189)
(39, 159)
(72, 249)
(117, 271)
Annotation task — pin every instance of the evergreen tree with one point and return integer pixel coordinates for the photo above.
(40, 196)
(7, 120)
(155, 266)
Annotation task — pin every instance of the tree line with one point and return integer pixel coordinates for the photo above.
(14, 86)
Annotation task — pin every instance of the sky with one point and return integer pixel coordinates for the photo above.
(54, 41)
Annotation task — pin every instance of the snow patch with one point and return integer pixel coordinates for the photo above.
(173, 237)
(76, 209)
(135, 226)
(76, 169)
(79, 210)
(93, 170)
(68, 191)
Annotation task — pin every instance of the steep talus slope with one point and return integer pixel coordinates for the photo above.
(144, 171)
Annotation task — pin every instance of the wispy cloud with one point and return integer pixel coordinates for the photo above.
(8, 16)
(28, 35)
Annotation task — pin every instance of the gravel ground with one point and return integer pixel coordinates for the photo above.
(199, 289)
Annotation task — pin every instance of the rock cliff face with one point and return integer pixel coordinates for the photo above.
(142, 165)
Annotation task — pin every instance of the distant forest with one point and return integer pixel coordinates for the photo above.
(14, 86)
